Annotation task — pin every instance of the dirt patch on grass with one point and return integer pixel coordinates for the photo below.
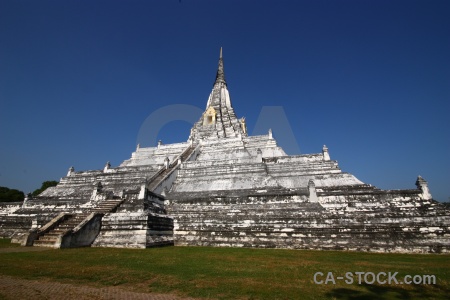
(15, 288)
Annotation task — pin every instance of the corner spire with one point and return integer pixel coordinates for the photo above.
(220, 76)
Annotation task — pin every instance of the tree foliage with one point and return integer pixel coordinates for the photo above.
(10, 195)
(45, 185)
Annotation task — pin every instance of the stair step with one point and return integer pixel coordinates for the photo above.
(68, 225)
(65, 228)
(39, 243)
(48, 239)
(51, 234)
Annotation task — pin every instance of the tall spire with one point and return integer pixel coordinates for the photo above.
(219, 119)
(220, 76)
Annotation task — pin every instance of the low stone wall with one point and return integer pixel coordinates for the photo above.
(135, 230)
(14, 227)
(289, 221)
(9, 207)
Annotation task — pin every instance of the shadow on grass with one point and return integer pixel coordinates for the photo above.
(385, 292)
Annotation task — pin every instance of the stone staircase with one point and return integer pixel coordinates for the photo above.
(154, 182)
(187, 153)
(52, 238)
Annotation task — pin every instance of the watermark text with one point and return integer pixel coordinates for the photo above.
(372, 278)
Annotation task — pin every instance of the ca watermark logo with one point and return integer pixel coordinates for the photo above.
(270, 117)
(372, 278)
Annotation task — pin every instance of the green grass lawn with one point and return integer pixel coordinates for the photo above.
(232, 273)
(6, 243)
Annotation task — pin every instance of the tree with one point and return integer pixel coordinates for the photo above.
(45, 185)
(10, 195)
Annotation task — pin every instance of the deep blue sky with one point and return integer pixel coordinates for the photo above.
(370, 79)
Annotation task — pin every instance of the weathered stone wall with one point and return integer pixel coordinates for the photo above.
(135, 230)
(15, 226)
(137, 223)
(80, 185)
(289, 220)
(154, 156)
(7, 208)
